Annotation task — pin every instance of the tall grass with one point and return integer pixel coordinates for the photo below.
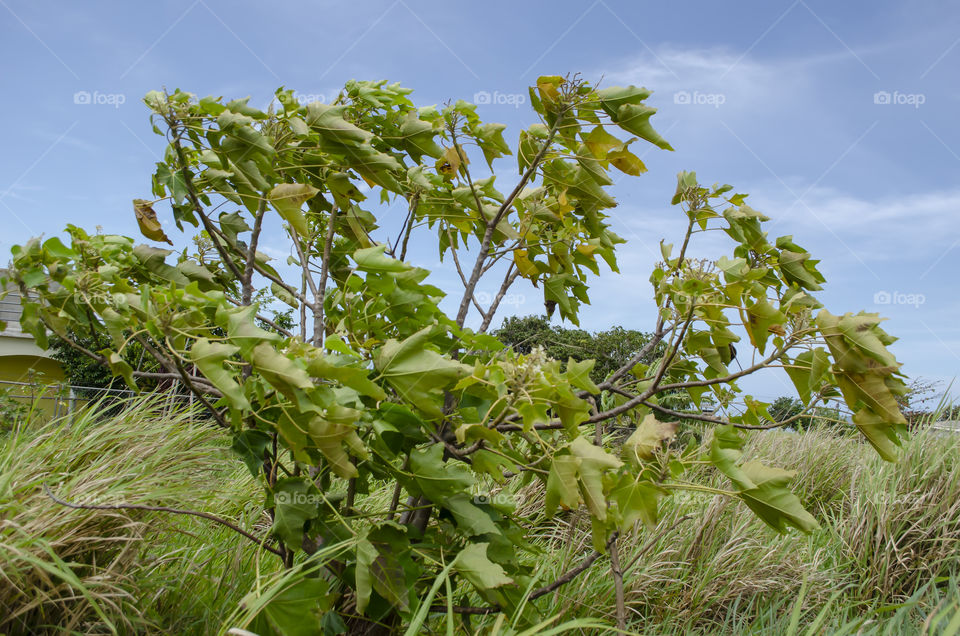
(96, 571)
(888, 551)
(885, 561)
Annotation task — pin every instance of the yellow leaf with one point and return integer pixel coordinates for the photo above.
(626, 162)
(645, 441)
(287, 198)
(549, 86)
(147, 220)
(599, 142)
(524, 264)
(449, 163)
(586, 249)
(564, 205)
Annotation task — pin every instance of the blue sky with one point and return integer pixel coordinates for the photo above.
(838, 118)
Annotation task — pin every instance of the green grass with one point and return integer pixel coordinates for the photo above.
(97, 571)
(885, 561)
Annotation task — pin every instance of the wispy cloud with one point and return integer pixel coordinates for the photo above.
(911, 227)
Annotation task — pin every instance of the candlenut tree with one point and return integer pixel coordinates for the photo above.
(375, 422)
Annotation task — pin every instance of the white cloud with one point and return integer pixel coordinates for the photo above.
(908, 226)
(743, 82)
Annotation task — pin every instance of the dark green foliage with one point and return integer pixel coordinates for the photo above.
(785, 407)
(12, 411)
(611, 349)
(81, 371)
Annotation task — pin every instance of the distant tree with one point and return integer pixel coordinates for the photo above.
(90, 376)
(611, 349)
(785, 409)
(922, 403)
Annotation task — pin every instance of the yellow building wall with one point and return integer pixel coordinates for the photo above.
(30, 376)
(17, 368)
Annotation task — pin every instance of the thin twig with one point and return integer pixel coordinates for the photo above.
(176, 511)
(618, 586)
(318, 326)
(568, 576)
(492, 225)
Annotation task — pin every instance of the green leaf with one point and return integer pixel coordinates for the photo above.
(797, 268)
(594, 461)
(372, 259)
(209, 359)
(153, 259)
(771, 500)
(866, 373)
(295, 503)
(637, 500)
(613, 97)
(366, 555)
(762, 488)
(298, 610)
(562, 488)
(479, 570)
(333, 435)
(196, 272)
(119, 366)
(635, 119)
(278, 369)
(418, 137)
(419, 374)
(287, 199)
(761, 316)
(438, 480)
(472, 519)
(330, 123)
(242, 328)
(490, 137)
(354, 377)
(807, 371)
(284, 295)
(647, 439)
(250, 444)
(578, 373)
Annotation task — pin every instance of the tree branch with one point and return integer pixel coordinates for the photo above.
(492, 225)
(247, 280)
(176, 511)
(567, 576)
(318, 325)
(508, 280)
(195, 200)
(716, 420)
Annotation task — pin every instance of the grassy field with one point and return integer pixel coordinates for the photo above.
(886, 560)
